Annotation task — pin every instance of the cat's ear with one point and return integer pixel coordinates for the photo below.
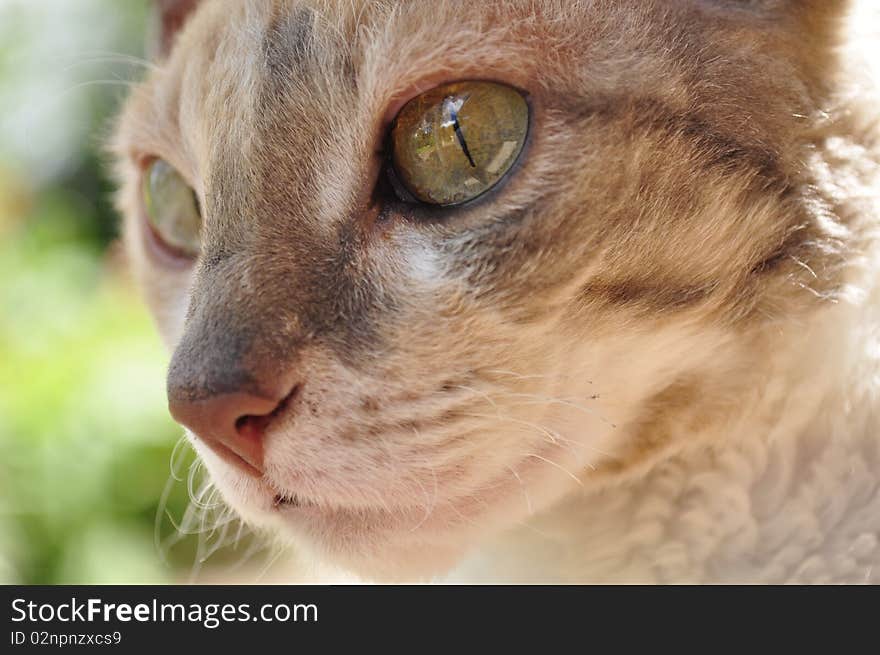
(170, 17)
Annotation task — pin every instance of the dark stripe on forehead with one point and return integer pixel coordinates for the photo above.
(289, 44)
(304, 54)
(301, 96)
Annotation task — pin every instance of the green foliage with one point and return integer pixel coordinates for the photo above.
(85, 438)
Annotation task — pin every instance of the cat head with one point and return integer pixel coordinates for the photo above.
(426, 268)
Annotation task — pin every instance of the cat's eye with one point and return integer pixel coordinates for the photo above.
(172, 209)
(455, 142)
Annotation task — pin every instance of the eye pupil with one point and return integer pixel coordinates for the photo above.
(452, 105)
(454, 143)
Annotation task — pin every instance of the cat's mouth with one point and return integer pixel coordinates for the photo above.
(294, 501)
(318, 500)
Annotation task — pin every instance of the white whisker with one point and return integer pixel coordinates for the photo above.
(558, 466)
(524, 490)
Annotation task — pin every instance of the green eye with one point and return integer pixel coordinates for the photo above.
(455, 142)
(172, 209)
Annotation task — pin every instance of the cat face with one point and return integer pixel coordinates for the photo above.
(390, 378)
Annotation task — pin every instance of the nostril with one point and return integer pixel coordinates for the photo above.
(253, 426)
(231, 424)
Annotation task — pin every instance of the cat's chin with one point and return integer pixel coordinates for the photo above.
(374, 544)
(388, 537)
(374, 552)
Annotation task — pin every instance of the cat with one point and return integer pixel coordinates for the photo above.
(522, 291)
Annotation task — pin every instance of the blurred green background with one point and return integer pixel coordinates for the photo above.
(86, 490)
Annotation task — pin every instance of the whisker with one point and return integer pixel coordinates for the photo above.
(560, 401)
(521, 376)
(269, 564)
(429, 503)
(524, 490)
(176, 463)
(256, 546)
(532, 528)
(109, 57)
(177, 458)
(551, 436)
(238, 534)
(558, 466)
(477, 392)
(196, 497)
(470, 522)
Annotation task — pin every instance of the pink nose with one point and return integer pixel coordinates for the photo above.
(232, 424)
(228, 380)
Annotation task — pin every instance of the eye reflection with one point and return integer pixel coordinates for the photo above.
(453, 143)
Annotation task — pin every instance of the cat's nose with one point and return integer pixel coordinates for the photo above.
(232, 373)
(231, 423)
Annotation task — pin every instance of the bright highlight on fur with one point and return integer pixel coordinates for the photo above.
(648, 351)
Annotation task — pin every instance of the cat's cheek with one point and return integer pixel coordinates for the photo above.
(169, 300)
(166, 290)
(423, 265)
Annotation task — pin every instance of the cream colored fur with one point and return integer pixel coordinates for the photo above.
(667, 371)
(788, 491)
